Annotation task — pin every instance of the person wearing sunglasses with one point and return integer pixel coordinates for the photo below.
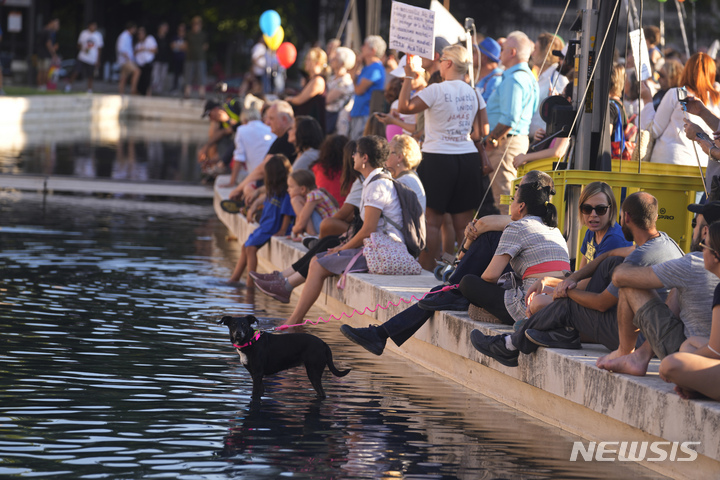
(599, 213)
(695, 369)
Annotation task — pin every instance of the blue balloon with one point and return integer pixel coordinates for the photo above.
(269, 22)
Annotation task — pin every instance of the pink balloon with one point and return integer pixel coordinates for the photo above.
(286, 54)
(392, 130)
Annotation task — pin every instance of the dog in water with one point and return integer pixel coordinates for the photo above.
(266, 354)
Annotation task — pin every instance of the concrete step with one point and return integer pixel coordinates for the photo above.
(561, 387)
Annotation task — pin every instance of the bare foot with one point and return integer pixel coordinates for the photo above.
(609, 357)
(632, 364)
(685, 393)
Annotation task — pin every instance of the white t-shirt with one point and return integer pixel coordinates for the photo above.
(413, 181)
(452, 106)
(354, 197)
(382, 195)
(252, 142)
(259, 62)
(124, 47)
(550, 83)
(411, 118)
(143, 51)
(90, 43)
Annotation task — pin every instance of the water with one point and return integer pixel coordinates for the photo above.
(137, 150)
(112, 366)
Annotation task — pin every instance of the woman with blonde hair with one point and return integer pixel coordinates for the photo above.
(404, 157)
(311, 99)
(451, 170)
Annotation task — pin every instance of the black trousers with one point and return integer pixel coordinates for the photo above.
(404, 325)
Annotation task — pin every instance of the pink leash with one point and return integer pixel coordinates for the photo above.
(367, 309)
(252, 340)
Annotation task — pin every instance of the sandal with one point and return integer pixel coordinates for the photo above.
(231, 206)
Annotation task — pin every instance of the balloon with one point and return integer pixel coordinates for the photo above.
(392, 130)
(274, 42)
(286, 54)
(269, 22)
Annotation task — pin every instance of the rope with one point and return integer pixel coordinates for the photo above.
(366, 309)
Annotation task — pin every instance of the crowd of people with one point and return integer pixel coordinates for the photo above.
(317, 165)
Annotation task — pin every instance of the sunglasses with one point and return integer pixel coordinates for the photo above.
(599, 209)
(702, 244)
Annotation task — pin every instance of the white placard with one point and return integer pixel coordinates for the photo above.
(412, 30)
(14, 22)
(643, 68)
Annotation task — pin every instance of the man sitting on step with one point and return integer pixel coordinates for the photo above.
(666, 325)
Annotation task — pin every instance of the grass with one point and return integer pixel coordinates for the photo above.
(24, 91)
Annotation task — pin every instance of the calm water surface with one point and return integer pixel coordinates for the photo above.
(112, 366)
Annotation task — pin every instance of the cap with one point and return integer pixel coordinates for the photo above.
(209, 105)
(440, 43)
(710, 210)
(490, 48)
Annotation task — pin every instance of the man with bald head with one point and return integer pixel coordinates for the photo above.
(510, 109)
(280, 118)
(591, 312)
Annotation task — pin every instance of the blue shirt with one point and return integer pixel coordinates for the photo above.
(487, 85)
(274, 209)
(375, 72)
(613, 238)
(515, 100)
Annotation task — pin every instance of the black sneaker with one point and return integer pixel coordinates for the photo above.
(558, 338)
(231, 206)
(365, 337)
(309, 242)
(448, 300)
(494, 347)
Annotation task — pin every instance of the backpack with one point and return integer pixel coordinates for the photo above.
(413, 216)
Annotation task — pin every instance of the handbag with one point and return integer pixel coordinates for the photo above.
(644, 147)
(386, 256)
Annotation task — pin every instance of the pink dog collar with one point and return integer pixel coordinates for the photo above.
(252, 340)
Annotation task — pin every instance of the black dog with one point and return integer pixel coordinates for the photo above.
(266, 354)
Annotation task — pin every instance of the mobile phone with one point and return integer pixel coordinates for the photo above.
(704, 136)
(682, 95)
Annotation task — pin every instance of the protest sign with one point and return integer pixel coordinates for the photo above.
(640, 54)
(412, 30)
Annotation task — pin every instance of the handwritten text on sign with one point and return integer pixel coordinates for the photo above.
(412, 30)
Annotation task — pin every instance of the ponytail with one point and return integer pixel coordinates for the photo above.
(537, 202)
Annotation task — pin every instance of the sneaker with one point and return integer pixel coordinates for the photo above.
(365, 337)
(231, 206)
(309, 242)
(558, 338)
(448, 300)
(275, 289)
(494, 347)
(276, 275)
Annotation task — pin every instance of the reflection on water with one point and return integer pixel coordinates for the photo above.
(113, 366)
(135, 151)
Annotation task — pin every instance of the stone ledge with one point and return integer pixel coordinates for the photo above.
(560, 387)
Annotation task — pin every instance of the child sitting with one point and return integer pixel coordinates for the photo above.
(311, 204)
(277, 214)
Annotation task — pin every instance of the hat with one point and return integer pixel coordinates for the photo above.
(490, 48)
(710, 210)
(209, 105)
(440, 43)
